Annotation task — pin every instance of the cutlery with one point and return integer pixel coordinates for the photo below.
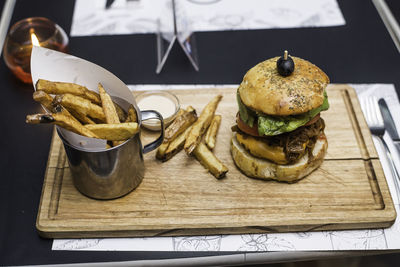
(389, 124)
(109, 3)
(376, 125)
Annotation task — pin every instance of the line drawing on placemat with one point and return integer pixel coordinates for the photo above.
(197, 243)
(262, 242)
(78, 244)
(360, 239)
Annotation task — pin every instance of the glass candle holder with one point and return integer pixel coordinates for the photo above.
(26, 33)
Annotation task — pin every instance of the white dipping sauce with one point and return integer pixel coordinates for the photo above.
(159, 103)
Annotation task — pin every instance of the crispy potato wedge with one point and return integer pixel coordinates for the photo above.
(65, 121)
(80, 105)
(114, 132)
(179, 113)
(43, 98)
(47, 101)
(108, 106)
(182, 121)
(201, 125)
(81, 118)
(211, 134)
(160, 154)
(108, 109)
(59, 88)
(190, 109)
(163, 147)
(121, 113)
(167, 150)
(210, 161)
(132, 117)
(177, 144)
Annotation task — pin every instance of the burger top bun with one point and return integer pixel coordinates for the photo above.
(263, 89)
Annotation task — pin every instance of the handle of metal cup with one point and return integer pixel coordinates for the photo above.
(152, 114)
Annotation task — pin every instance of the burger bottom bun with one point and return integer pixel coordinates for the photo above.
(267, 170)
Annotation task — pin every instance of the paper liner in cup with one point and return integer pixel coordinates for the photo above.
(60, 67)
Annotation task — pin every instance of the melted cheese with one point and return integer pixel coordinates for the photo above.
(262, 149)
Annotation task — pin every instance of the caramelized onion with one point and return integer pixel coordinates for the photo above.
(313, 120)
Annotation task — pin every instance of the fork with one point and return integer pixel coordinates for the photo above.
(374, 119)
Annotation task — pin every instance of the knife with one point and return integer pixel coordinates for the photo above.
(389, 123)
(109, 3)
(390, 128)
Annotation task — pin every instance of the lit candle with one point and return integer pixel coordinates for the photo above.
(23, 36)
(34, 39)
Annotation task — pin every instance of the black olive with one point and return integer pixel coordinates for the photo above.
(285, 65)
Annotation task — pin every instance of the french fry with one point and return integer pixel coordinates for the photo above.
(211, 134)
(114, 132)
(176, 145)
(179, 113)
(82, 118)
(43, 98)
(182, 121)
(121, 113)
(190, 109)
(108, 106)
(201, 125)
(132, 117)
(59, 88)
(162, 149)
(65, 121)
(170, 131)
(108, 109)
(169, 149)
(210, 161)
(80, 105)
(47, 101)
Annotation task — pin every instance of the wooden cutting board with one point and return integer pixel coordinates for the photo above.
(179, 197)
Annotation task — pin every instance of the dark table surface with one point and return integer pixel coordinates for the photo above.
(359, 52)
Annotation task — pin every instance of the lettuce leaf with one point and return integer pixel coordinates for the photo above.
(274, 125)
(248, 116)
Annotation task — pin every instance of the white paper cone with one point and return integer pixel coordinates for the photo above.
(56, 66)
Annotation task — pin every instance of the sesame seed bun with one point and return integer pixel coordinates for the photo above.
(264, 90)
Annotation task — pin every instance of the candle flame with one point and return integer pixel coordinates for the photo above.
(35, 40)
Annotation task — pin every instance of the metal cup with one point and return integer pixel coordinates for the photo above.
(114, 172)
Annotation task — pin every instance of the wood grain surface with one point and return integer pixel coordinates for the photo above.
(179, 197)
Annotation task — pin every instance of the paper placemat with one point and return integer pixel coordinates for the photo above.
(377, 239)
(96, 17)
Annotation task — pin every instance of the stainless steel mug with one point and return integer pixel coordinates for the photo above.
(114, 172)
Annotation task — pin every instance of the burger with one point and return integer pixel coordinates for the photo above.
(280, 133)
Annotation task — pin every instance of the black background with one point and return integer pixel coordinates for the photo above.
(359, 52)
